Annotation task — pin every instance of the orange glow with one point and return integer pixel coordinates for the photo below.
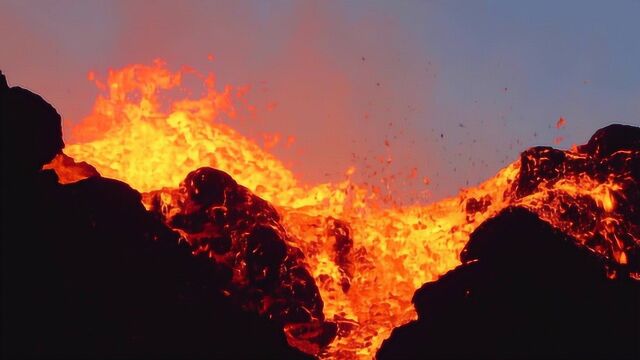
(135, 135)
(561, 122)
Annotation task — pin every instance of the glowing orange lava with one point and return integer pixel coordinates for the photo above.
(135, 135)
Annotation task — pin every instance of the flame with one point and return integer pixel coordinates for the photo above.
(132, 135)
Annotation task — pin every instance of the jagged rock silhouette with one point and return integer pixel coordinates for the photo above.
(88, 273)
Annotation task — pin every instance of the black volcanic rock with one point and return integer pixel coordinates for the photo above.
(606, 153)
(524, 290)
(88, 273)
(244, 235)
(612, 138)
(31, 130)
(611, 158)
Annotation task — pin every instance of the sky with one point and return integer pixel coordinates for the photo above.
(455, 89)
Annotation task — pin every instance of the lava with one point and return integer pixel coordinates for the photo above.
(365, 256)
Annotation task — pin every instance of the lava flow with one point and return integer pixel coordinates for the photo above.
(346, 263)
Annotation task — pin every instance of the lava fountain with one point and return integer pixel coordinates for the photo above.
(364, 256)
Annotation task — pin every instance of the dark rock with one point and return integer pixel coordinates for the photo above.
(611, 158)
(539, 164)
(221, 245)
(236, 229)
(342, 247)
(31, 131)
(612, 138)
(207, 186)
(524, 290)
(265, 253)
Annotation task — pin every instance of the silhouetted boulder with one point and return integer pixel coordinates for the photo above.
(243, 234)
(88, 273)
(612, 138)
(31, 130)
(524, 290)
(611, 159)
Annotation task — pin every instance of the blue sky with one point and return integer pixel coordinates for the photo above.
(457, 88)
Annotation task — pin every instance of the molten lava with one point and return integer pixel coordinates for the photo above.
(365, 257)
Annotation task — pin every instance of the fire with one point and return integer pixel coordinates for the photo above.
(366, 257)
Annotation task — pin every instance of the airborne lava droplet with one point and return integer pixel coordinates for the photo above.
(560, 123)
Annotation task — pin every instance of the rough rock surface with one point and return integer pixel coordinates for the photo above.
(244, 238)
(524, 290)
